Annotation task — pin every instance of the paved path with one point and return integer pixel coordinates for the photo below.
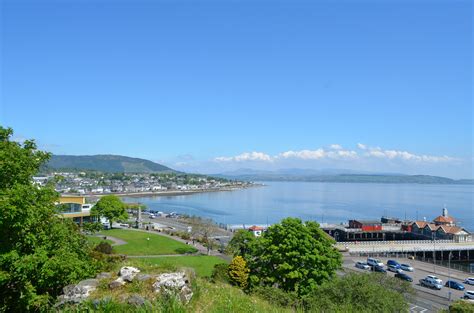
(116, 241)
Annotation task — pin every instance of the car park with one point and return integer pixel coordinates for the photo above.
(454, 285)
(406, 267)
(404, 276)
(362, 265)
(430, 284)
(469, 281)
(374, 262)
(469, 294)
(394, 268)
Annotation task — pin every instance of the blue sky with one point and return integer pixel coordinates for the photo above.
(211, 86)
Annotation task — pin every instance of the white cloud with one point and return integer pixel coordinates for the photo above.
(378, 152)
(246, 156)
(337, 152)
(335, 147)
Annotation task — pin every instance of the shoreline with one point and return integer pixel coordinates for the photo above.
(160, 193)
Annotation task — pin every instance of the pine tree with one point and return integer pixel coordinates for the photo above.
(238, 272)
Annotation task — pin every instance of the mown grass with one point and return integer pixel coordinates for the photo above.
(138, 244)
(96, 240)
(202, 264)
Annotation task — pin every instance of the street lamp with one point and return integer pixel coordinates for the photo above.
(434, 253)
(147, 242)
(449, 274)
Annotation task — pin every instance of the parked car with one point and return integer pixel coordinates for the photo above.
(430, 284)
(394, 268)
(379, 269)
(469, 281)
(362, 265)
(152, 216)
(404, 276)
(469, 294)
(434, 279)
(394, 263)
(374, 262)
(454, 285)
(406, 267)
(411, 257)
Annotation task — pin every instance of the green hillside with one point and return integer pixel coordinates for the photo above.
(105, 163)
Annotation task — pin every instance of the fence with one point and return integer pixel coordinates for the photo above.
(394, 242)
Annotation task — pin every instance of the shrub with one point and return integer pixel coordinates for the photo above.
(220, 273)
(277, 296)
(461, 306)
(238, 272)
(104, 247)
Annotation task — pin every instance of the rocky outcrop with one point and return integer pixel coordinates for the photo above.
(126, 274)
(174, 283)
(79, 292)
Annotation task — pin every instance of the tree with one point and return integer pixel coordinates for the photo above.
(461, 306)
(241, 243)
(293, 256)
(204, 229)
(239, 272)
(40, 253)
(110, 207)
(360, 293)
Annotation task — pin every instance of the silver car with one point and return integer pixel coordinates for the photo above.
(362, 265)
(469, 281)
(406, 267)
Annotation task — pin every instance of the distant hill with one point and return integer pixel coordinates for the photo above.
(105, 163)
(338, 176)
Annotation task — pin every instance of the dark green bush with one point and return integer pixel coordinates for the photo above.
(104, 247)
(277, 296)
(220, 273)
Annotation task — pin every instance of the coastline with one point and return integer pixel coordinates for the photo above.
(161, 193)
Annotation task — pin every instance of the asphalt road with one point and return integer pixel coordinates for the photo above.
(427, 300)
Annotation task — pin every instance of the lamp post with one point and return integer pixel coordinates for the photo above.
(449, 274)
(434, 253)
(147, 242)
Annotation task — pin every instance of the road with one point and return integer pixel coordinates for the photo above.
(427, 300)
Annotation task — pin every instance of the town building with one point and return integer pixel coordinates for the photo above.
(74, 208)
(256, 230)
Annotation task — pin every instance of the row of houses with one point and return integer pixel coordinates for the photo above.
(442, 227)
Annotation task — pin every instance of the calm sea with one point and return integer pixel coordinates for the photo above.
(324, 202)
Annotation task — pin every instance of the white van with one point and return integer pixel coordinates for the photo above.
(374, 262)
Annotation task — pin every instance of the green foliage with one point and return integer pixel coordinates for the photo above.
(220, 273)
(238, 272)
(293, 256)
(278, 297)
(241, 243)
(110, 207)
(461, 306)
(360, 293)
(92, 227)
(104, 247)
(39, 252)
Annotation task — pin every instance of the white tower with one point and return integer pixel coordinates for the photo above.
(445, 211)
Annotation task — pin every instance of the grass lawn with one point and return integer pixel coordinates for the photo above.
(137, 243)
(96, 240)
(202, 264)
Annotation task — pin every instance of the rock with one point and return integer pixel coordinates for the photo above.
(127, 273)
(174, 283)
(103, 275)
(119, 282)
(79, 292)
(143, 277)
(136, 300)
